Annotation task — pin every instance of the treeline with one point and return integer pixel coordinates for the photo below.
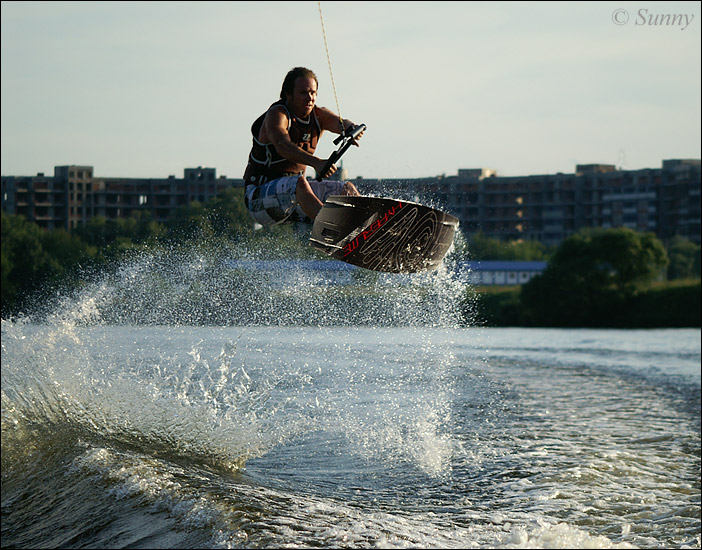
(604, 278)
(37, 263)
(683, 255)
(594, 278)
(480, 247)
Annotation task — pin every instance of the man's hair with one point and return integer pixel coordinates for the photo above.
(290, 78)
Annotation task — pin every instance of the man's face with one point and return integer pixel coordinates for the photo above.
(304, 96)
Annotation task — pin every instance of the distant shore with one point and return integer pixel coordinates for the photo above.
(672, 304)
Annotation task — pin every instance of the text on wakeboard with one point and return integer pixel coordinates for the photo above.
(372, 228)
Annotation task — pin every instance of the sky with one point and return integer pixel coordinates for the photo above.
(146, 89)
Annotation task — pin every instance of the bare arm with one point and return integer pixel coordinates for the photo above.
(275, 130)
(330, 121)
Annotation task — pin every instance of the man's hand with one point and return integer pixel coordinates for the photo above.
(319, 167)
(359, 136)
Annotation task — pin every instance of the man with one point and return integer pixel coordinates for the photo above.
(284, 140)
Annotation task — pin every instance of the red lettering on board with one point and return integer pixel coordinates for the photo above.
(370, 230)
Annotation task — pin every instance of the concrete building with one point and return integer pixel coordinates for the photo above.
(550, 208)
(543, 208)
(74, 194)
(498, 273)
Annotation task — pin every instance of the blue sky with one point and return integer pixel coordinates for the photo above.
(146, 89)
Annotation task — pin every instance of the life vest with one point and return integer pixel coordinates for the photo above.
(265, 163)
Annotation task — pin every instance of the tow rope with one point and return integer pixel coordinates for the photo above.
(326, 48)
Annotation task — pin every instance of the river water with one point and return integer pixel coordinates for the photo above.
(299, 434)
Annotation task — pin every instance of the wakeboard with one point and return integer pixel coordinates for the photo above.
(383, 234)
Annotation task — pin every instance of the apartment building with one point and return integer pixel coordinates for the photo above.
(74, 194)
(544, 208)
(550, 208)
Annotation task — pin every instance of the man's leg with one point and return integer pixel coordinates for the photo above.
(311, 203)
(306, 198)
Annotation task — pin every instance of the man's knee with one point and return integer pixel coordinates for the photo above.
(350, 189)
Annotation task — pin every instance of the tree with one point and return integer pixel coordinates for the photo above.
(684, 258)
(66, 252)
(481, 247)
(592, 275)
(139, 228)
(228, 214)
(33, 258)
(189, 222)
(23, 259)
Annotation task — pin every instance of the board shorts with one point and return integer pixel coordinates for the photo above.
(274, 202)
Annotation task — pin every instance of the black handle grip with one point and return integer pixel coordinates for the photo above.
(347, 138)
(327, 165)
(350, 132)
